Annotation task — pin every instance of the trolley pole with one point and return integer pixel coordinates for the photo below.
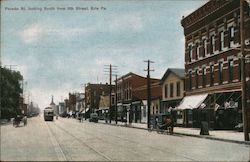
(243, 76)
(149, 91)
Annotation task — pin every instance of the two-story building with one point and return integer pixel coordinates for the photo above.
(173, 88)
(212, 60)
(93, 93)
(132, 96)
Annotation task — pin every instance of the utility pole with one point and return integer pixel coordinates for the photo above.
(110, 91)
(243, 75)
(149, 91)
(112, 69)
(115, 99)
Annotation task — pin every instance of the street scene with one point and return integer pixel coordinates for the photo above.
(125, 80)
(69, 140)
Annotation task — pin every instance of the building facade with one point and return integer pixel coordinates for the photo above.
(212, 56)
(93, 93)
(173, 88)
(132, 96)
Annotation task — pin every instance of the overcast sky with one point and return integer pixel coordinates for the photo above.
(58, 51)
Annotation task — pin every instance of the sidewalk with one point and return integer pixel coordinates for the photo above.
(222, 135)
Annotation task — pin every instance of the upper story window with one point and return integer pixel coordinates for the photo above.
(171, 89)
(231, 37)
(204, 48)
(230, 69)
(212, 44)
(204, 77)
(166, 90)
(190, 80)
(221, 40)
(189, 53)
(211, 75)
(220, 72)
(178, 88)
(196, 78)
(239, 69)
(196, 51)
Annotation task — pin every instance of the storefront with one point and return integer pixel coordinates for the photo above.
(184, 113)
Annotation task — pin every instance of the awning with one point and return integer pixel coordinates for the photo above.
(86, 110)
(191, 102)
(144, 102)
(103, 108)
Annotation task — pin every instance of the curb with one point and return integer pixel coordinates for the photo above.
(186, 134)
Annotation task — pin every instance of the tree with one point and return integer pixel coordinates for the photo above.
(10, 92)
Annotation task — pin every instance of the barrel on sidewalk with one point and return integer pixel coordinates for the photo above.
(204, 128)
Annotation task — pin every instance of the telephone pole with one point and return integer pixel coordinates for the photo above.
(149, 91)
(243, 75)
(112, 69)
(115, 99)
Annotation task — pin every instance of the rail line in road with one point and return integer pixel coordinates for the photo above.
(134, 142)
(80, 141)
(149, 146)
(58, 148)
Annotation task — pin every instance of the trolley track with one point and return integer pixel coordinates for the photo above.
(137, 143)
(82, 142)
(61, 153)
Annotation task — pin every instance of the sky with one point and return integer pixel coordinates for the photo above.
(60, 45)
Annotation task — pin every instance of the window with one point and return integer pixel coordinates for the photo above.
(171, 89)
(220, 72)
(204, 48)
(212, 44)
(239, 69)
(204, 77)
(221, 40)
(190, 80)
(189, 53)
(211, 75)
(178, 88)
(230, 69)
(231, 37)
(196, 78)
(196, 51)
(166, 90)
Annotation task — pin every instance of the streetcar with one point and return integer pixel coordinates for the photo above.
(48, 114)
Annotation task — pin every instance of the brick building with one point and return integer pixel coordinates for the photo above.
(212, 61)
(93, 93)
(132, 96)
